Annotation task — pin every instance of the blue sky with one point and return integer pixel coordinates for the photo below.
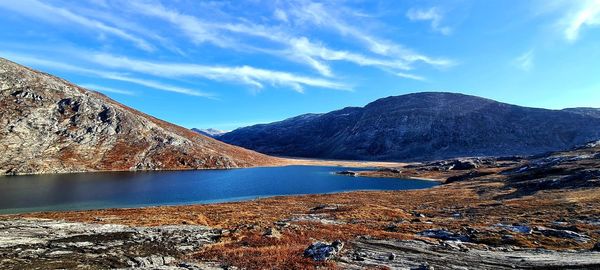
(226, 64)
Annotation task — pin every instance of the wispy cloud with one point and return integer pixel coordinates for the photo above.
(106, 89)
(47, 12)
(410, 76)
(296, 48)
(281, 15)
(241, 74)
(329, 17)
(285, 33)
(434, 15)
(525, 61)
(584, 13)
(198, 31)
(56, 65)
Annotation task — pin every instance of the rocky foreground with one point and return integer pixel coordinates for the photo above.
(48, 244)
(48, 125)
(539, 212)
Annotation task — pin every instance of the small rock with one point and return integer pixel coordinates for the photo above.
(357, 256)
(282, 224)
(596, 247)
(424, 266)
(417, 214)
(392, 257)
(321, 251)
(272, 233)
(391, 227)
(515, 228)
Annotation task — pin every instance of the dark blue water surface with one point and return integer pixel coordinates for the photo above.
(20, 194)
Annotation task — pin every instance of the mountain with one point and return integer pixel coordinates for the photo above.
(421, 126)
(210, 132)
(48, 125)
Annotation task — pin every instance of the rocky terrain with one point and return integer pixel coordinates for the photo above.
(539, 212)
(48, 125)
(47, 244)
(422, 126)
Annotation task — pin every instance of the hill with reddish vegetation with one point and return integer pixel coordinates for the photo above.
(48, 125)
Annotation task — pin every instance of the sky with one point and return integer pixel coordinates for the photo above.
(228, 64)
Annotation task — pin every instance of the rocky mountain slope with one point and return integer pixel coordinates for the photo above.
(48, 125)
(210, 132)
(422, 126)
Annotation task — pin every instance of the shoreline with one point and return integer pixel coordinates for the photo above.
(498, 209)
(282, 163)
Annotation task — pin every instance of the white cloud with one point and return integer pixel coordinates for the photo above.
(434, 15)
(99, 88)
(198, 31)
(39, 62)
(304, 47)
(326, 17)
(241, 74)
(300, 49)
(585, 13)
(37, 9)
(280, 15)
(525, 61)
(409, 76)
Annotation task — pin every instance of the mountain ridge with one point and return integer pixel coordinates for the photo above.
(421, 126)
(50, 125)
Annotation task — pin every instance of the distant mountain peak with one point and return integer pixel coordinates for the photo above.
(211, 132)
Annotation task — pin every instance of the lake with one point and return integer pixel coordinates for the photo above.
(80, 191)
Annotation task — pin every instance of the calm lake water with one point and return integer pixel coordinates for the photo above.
(20, 194)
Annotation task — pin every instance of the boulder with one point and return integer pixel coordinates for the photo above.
(443, 234)
(460, 165)
(562, 234)
(321, 251)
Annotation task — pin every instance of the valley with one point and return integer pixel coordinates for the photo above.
(540, 212)
(465, 188)
(299, 135)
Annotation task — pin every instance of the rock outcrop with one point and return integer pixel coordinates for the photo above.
(422, 126)
(412, 254)
(51, 244)
(48, 125)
